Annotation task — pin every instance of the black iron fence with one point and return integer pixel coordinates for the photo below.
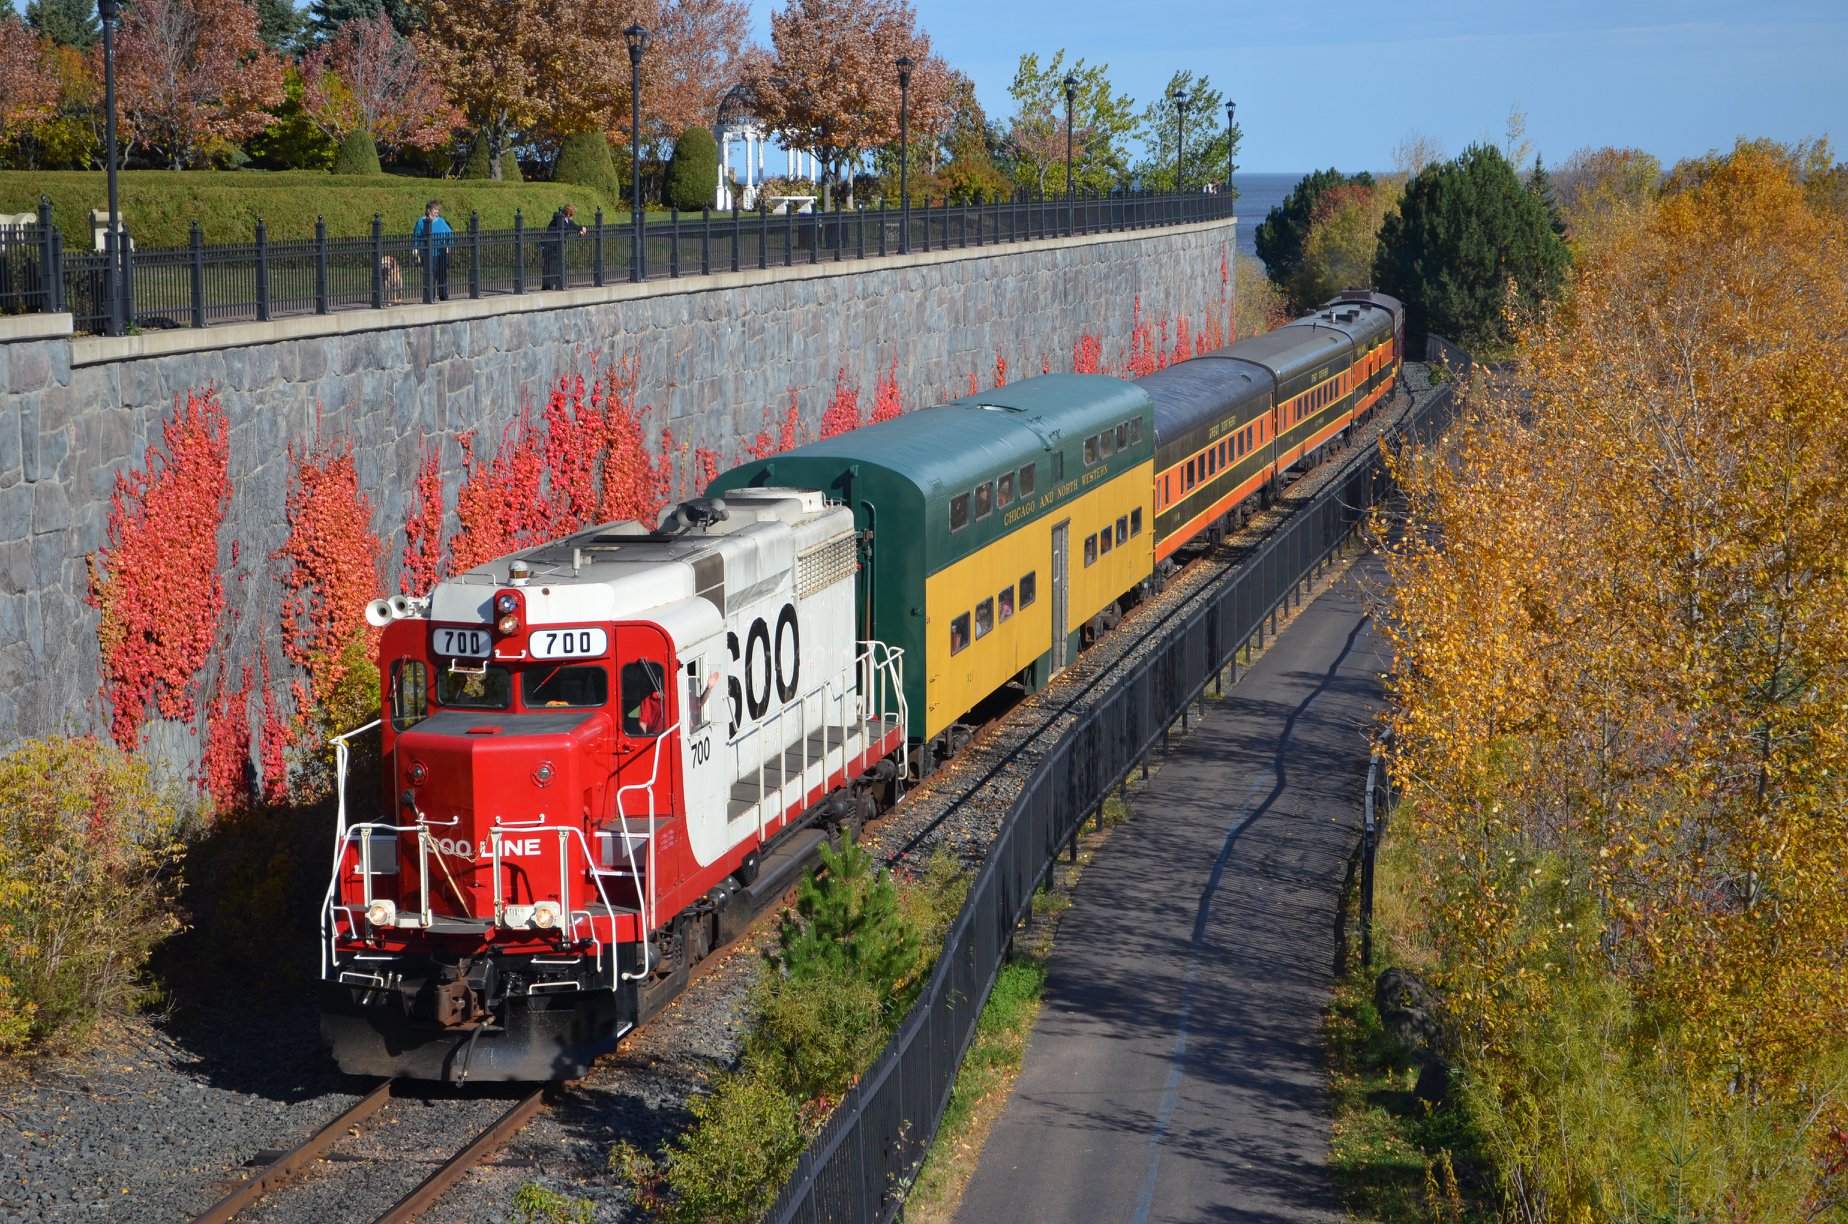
(861, 1165)
(201, 285)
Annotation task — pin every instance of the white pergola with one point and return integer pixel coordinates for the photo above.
(742, 143)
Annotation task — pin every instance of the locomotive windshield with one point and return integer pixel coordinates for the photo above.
(491, 689)
(576, 686)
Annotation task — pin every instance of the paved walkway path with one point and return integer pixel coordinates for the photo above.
(1176, 1071)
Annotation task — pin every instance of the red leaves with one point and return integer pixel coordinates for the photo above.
(1087, 355)
(222, 772)
(887, 403)
(843, 411)
(156, 582)
(423, 531)
(1000, 369)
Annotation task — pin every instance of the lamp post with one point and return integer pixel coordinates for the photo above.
(1071, 99)
(904, 154)
(1230, 107)
(112, 279)
(1180, 133)
(638, 43)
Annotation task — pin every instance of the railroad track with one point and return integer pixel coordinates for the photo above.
(312, 1151)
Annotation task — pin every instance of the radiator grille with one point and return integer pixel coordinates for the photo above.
(824, 565)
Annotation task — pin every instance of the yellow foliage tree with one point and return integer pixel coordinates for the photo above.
(1621, 620)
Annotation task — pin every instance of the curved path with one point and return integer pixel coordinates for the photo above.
(1176, 1071)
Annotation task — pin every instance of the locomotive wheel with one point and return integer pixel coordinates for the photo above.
(699, 937)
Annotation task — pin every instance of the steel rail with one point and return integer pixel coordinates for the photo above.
(291, 1163)
(450, 1172)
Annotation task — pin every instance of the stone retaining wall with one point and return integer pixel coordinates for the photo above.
(713, 354)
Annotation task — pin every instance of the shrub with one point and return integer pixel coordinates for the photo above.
(693, 172)
(357, 154)
(811, 1036)
(534, 1204)
(729, 1165)
(584, 159)
(479, 167)
(87, 846)
(848, 928)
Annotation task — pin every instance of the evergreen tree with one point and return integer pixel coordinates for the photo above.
(1280, 235)
(69, 23)
(693, 171)
(1541, 184)
(327, 16)
(280, 25)
(584, 159)
(848, 927)
(1465, 231)
(357, 154)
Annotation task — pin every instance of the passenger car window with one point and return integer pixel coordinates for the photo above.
(1105, 444)
(580, 686)
(1122, 436)
(410, 693)
(1090, 450)
(470, 690)
(1090, 550)
(984, 499)
(1026, 480)
(1004, 490)
(984, 617)
(1135, 431)
(1135, 521)
(959, 512)
(1123, 530)
(1029, 588)
(1005, 600)
(959, 633)
(1103, 540)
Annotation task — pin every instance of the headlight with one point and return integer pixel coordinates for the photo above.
(504, 604)
(545, 915)
(508, 623)
(382, 913)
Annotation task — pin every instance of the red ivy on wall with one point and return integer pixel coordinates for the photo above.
(156, 583)
(843, 411)
(224, 769)
(423, 530)
(887, 402)
(331, 571)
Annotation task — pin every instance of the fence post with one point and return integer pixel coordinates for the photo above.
(927, 221)
(519, 250)
(705, 240)
(474, 253)
(195, 244)
(736, 235)
(861, 209)
(321, 304)
(673, 248)
(125, 284)
(263, 310)
(51, 276)
(378, 262)
(596, 266)
(882, 228)
(57, 264)
(789, 236)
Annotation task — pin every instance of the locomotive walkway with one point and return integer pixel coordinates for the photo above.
(1176, 1070)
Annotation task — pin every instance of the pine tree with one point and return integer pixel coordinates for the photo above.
(1541, 184)
(280, 25)
(325, 17)
(693, 171)
(847, 925)
(1280, 235)
(69, 23)
(1465, 232)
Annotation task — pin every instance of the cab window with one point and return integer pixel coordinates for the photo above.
(491, 689)
(959, 512)
(576, 687)
(410, 694)
(644, 698)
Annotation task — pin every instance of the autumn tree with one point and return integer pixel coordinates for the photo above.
(1594, 186)
(1468, 242)
(969, 171)
(368, 77)
(193, 77)
(1200, 130)
(829, 84)
(28, 89)
(1280, 236)
(1102, 121)
(1342, 241)
(695, 52)
(70, 134)
(515, 65)
(1621, 713)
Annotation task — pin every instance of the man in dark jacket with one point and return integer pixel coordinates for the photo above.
(564, 225)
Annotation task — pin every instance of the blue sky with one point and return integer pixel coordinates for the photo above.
(1341, 83)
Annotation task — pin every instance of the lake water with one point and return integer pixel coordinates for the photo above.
(1257, 195)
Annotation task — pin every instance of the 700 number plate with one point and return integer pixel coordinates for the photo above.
(464, 643)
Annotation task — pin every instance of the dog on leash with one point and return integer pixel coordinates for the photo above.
(393, 277)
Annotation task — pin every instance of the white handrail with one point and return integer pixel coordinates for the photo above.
(648, 903)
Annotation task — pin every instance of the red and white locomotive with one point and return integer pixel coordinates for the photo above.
(601, 756)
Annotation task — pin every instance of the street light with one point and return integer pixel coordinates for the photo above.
(112, 280)
(1230, 107)
(638, 43)
(1071, 98)
(904, 154)
(1180, 133)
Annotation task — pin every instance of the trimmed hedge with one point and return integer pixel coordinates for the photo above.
(693, 174)
(159, 205)
(584, 159)
(357, 154)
